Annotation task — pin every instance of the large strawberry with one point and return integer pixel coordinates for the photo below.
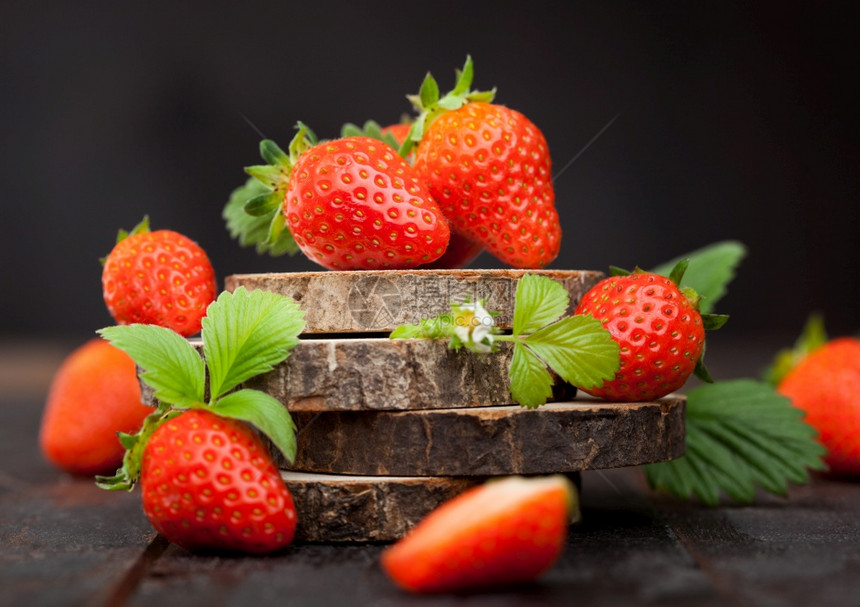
(489, 168)
(821, 376)
(503, 532)
(94, 394)
(350, 204)
(161, 278)
(210, 482)
(658, 327)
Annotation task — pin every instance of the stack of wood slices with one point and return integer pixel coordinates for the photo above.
(390, 429)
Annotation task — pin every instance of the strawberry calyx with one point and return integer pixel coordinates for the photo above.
(430, 103)
(140, 228)
(253, 212)
(371, 129)
(813, 336)
(126, 476)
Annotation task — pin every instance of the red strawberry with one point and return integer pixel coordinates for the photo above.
(94, 394)
(210, 483)
(503, 532)
(822, 377)
(160, 278)
(352, 203)
(489, 169)
(659, 329)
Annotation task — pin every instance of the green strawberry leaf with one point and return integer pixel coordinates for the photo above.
(709, 271)
(578, 349)
(813, 336)
(170, 365)
(539, 302)
(263, 411)
(531, 383)
(741, 434)
(246, 334)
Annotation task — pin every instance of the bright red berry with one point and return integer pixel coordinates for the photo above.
(659, 329)
(825, 385)
(353, 203)
(503, 532)
(210, 483)
(489, 169)
(94, 394)
(161, 278)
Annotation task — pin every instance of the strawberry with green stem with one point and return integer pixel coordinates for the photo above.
(349, 204)
(207, 479)
(489, 169)
(659, 329)
(158, 277)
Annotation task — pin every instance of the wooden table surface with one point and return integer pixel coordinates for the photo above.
(65, 542)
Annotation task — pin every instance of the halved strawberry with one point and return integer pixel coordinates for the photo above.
(503, 532)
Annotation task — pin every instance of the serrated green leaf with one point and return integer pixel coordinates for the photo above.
(740, 434)
(264, 412)
(539, 301)
(246, 333)
(710, 270)
(530, 382)
(171, 366)
(578, 349)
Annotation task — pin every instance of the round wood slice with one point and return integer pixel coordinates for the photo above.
(386, 374)
(379, 301)
(565, 437)
(340, 508)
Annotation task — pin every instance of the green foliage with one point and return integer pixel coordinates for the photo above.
(740, 435)
(244, 334)
(709, 270)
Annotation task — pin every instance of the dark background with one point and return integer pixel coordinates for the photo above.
(734, 122)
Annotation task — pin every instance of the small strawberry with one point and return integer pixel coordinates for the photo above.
(351, 204)
(489, 169)
(659, 330)
(161, 278)
(210, 483)
(821, 376)
(94, 394)
(503, 532)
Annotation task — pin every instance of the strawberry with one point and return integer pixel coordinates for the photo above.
(489, 168)
(161, 278)
(94, 394)
(351, 204)
(503, 532)
(210, 483)
(659, 330)
(823, 380)
(208, 480)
